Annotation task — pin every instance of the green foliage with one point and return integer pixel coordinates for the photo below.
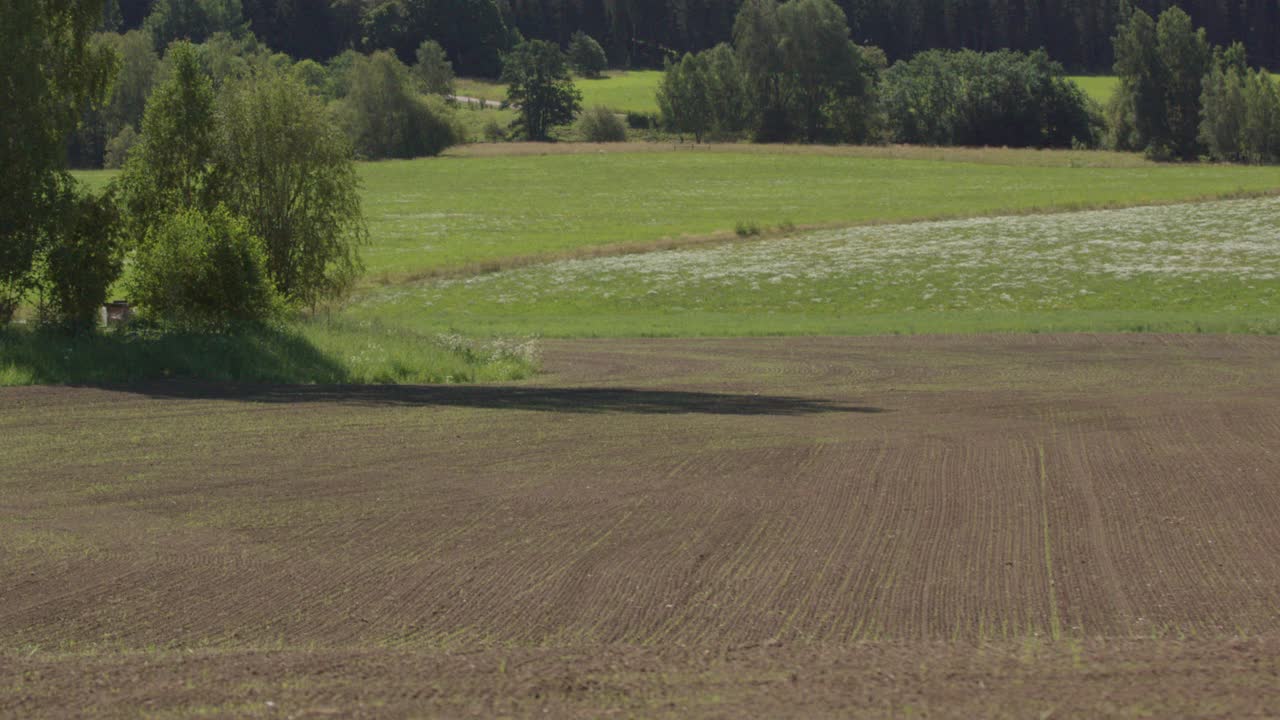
(471, 31)
(684, 97)
(433, 69)
(311, 74)
(226, 58)
(1161, 67)
(601, 125)
(385, 116)
(286, 167)
(49, 73)
(1260, 134)
(83, 260)
(756, 33)
(203, 270)
(193, 20)
(727, 92)
(139, 65)
(171, 166)
(986, 99)
(538, 84)
(494, 132)
(586, 56)
(119, 147)
(803, 77)
(1240, 113)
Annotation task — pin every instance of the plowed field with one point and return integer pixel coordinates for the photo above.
(1024, 526)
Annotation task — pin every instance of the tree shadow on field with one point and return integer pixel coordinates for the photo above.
(559, 400)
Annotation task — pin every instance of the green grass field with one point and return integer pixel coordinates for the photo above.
(1192, 267)
(634, 90)
(454, 212)
(524, 240)
(620, 91)
(1098, 87)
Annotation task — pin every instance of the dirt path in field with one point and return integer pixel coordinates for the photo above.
(1001, 525)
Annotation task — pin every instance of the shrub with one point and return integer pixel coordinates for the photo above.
(433, 69)
(286, 167)
(84, 259)
(601, 125)
(118, 149)
(642, 120)
(586, 56)
(1003, 98)
(385, 116)
(494, 132)
(203, 271)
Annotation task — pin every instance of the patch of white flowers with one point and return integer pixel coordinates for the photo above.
(1034, 260)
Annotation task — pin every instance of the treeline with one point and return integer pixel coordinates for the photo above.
(793, 74)
(637, 33)
(387, 108)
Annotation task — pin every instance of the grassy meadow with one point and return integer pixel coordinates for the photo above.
(1191, 267)
(620, 90)
(469, 213)
(524, 241)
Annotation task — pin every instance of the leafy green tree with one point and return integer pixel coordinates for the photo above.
(125, 102)
(820, 63)
(49, 73)
(1223, 112)
(288, 169)
(1260, 133)
(684, 96)
(433, 69)
(1161, 67)
(1000, 98)
(473, 32)
(726, 91)
(385, 115)
(194, 20)
(119, 147)
(757, 32)
(539, 86)
(84, 258)
(172, 164)
(586, 55)
(226, 57)
(1185, 54)
(203, 270)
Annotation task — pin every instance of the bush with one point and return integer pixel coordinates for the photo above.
(494, 132)
(586, 56)
(433, 69)
(386, 117)
(1003, 98)
(83, 261)
(642, 121)
(118, 149)
(285, 166)
(601, 125)
(203, 271)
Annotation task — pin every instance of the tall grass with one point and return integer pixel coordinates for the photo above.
(316, 352)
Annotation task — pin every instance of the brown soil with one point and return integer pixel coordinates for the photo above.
(1003, 525)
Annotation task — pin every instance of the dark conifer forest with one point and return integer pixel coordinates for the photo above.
(641, 33)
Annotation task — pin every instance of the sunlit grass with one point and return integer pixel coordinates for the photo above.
(1197, 267)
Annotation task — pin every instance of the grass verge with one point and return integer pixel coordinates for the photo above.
(307, 353)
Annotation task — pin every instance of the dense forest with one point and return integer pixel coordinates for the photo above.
(642, 33)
